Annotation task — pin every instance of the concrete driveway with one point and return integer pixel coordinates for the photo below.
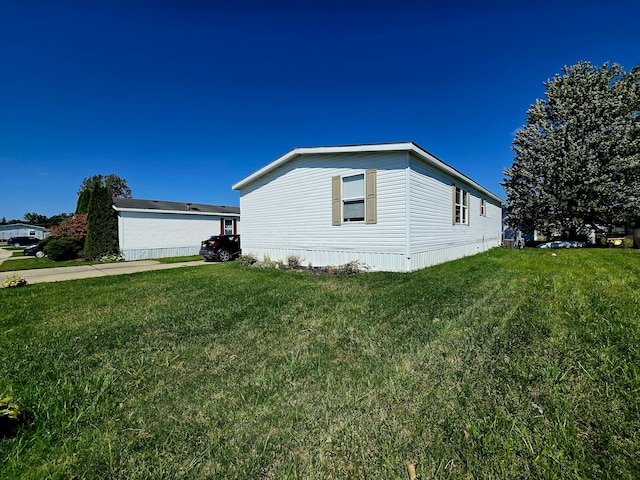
(59, 274)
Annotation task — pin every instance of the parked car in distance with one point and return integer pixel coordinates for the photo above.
(33, 251)
(221, 248)
(22, 241)
(563, 244)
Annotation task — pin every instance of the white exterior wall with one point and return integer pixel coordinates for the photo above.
(21, 230)
(157, 235)
(288, 212)
(433, 236)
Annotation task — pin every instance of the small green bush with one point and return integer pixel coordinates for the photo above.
(352, 267)
(294, 261)
(45, 241)
(247, 260)
(63, 248)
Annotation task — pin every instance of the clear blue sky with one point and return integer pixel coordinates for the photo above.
(183, 98)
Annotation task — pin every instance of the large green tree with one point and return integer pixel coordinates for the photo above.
(577, 159)
(102, 224)
(117, 188)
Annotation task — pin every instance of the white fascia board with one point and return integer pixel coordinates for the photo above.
(176, 212)
(380, 147)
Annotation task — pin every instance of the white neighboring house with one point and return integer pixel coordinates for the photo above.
(156, 229)
(393, 206)
(21, 230)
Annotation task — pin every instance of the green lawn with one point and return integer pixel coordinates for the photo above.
(32, 263)
(508, 364)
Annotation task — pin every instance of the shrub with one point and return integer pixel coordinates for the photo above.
(294, 261)
(14, 281)
(45, 241)
(266, 264)
(102, 224)
(354, 266)
(112, 258)
(76, 226)
(63, 248)
(247, 260)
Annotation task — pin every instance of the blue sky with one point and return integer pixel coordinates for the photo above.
(184, 98)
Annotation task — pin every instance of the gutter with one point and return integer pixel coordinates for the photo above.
(176, 212)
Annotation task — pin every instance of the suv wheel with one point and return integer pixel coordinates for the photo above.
(224, 255)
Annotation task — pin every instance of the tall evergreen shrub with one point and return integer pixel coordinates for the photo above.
(102, 224)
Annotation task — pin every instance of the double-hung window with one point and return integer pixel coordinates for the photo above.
(353, 198)
(460, 206)
(228, 226)
(483, 207)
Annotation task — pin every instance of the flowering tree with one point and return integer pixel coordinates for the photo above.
(76, 227)
(577, 160)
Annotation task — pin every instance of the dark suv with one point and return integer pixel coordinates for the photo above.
(221, 247)
(22, 241)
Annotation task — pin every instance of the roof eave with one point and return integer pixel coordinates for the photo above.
(175, 212)
(381, 147)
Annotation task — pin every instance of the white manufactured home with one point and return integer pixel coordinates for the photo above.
(157, 229)
(22, 230)
(393, 206)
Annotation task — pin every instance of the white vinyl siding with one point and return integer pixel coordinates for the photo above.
(434, 238)
(296, 209)
(156, 235)
(289, 210)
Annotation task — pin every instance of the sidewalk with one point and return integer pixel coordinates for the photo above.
(58, 274)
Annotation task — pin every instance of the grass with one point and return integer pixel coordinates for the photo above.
(32, 263)
(188, 258)
(508, 364)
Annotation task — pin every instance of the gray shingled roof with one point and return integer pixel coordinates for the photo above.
(137, 203)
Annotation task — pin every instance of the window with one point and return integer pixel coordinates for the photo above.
(483, 207)
(228, 226)
(355, 198)
(460, 206)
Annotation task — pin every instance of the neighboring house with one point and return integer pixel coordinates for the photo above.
(21, 230)
(156, 229)
(393, 206)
